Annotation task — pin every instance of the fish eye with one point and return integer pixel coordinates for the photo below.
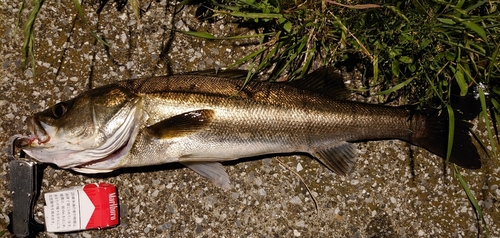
(59, 110)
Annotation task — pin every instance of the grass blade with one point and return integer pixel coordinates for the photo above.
(398, 12)
(19, 10)
(250, 56)
(460, 79)
(451, 131)
(476, 28)
(397, 87)
(472, 199)
(208, 36)
(256, 15)
(79, 9)
(134, 4)
(29, 36)
(484, 115)
(199, 34)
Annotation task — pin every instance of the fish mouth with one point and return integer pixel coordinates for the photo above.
(38, 134)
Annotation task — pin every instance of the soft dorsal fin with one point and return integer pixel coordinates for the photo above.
(339, 158)
(324, 81)
(182, 124)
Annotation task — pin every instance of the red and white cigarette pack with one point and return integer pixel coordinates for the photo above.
(93, 206)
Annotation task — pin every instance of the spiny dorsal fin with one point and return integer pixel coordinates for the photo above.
(339, 158)
(222, 73)
(213, 171)
(325, 81)
(182, 124)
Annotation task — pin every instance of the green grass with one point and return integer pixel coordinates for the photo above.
(28, 48)
(414, 49)
(3, 229)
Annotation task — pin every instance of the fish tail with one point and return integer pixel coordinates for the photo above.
(434, 138)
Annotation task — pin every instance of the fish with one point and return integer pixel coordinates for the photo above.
(201, 120)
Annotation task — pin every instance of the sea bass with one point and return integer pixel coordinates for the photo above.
(201, 120)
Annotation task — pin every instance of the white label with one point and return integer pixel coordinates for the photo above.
(62, 211)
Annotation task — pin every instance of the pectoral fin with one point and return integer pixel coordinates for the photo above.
(182, 124)
(213, 171)
(339, 158)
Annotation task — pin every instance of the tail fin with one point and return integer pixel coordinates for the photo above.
(434, 138)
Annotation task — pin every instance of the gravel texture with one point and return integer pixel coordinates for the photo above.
(396, 190)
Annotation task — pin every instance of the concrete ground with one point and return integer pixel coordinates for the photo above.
(396, 190)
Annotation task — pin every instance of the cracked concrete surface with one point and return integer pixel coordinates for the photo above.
(396, 190)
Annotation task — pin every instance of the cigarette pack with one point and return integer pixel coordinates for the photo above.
(93, 206)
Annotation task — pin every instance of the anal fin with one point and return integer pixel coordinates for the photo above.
(339, 158)
(213, 171)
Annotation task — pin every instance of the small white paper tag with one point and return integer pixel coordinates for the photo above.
(62, 211)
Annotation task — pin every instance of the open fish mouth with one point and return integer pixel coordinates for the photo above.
(38, 135)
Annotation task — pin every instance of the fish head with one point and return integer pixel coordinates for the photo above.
(99, 125)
